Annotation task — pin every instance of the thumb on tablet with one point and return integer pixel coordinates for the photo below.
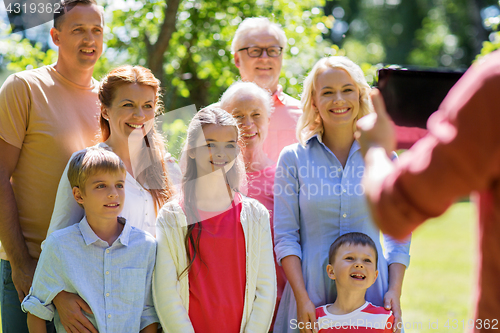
(376, 129)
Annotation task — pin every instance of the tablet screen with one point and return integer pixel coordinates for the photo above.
(411, 96)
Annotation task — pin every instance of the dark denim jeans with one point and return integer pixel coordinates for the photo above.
(13, 318)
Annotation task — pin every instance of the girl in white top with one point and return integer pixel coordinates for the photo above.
(214, 267)
(129, 99)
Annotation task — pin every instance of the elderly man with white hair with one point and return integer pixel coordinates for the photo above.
(258, 53)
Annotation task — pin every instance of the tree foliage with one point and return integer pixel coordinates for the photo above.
(187, 42)
(196, 63)
(434, 33)
(493, 23)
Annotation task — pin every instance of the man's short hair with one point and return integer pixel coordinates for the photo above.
(352, 238)
(66, 6)
(256, 23)
(90, 162)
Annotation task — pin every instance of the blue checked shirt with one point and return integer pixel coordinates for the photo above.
(115, 280)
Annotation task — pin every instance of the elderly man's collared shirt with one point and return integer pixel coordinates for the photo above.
(115, 280)
(282, 124)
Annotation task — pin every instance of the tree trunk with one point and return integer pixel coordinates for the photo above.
(158, 49)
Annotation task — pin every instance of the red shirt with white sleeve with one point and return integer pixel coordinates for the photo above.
(367, 318)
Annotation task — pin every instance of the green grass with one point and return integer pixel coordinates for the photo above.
(438, 283)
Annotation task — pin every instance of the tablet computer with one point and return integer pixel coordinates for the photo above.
(411, 96)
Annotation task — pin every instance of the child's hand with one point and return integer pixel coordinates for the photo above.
(392, 302)
(306, 316)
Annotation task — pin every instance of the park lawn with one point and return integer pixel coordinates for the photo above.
(439, 281)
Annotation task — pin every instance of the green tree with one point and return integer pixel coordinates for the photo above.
(494, 43)
(175, 132)
(187, 44)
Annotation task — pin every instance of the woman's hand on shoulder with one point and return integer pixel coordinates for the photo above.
(392, 302)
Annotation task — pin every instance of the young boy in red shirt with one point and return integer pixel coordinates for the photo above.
(353, 266)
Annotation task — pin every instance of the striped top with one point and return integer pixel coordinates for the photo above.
(367, 318)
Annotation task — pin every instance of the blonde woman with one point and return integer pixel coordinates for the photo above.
(319, 197)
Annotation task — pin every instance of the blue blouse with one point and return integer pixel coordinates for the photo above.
(316, 201)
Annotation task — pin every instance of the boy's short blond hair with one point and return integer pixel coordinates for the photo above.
(90, 162)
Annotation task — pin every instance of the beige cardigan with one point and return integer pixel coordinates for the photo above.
(171, 290)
